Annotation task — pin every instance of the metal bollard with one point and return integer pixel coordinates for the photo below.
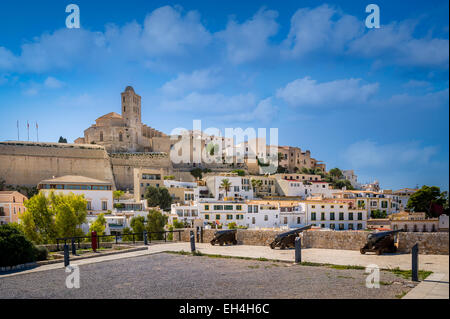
(74, 248)
(192, 241)
(201, 234)
(145, 238)
(415, 262)
(66, 255)
(298, 250)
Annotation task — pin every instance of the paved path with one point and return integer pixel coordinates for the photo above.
(435, 286)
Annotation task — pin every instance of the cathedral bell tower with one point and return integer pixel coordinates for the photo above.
(131, 108)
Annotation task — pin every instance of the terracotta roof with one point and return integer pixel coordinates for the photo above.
(112, 115)
(74, 179)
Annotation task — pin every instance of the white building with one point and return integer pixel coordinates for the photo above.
(350, 175)
(99, 194)
(240, 186)
(336, 215)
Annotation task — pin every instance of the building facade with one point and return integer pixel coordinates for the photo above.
(11, 206)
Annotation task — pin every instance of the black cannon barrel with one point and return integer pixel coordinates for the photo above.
(293, 232)
(379, 235)
(225, 231)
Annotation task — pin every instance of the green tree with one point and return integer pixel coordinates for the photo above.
(15, 247)
(378, 214)
(70, 213)
(137, 223)
(98, 225)
(118, 194)
(126, 234)
(178, 224)
(158, 196)
(155, 223)
(197, 173)
(426, 199)
(339, 184)
(62, 140)
(225, 185)
(336, 173)
(240, 172)
(38, 222)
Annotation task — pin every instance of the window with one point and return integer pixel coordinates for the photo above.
(299, 220)
(238, 207)
(101, 136)
(250, 208)
(207, 216)
(218, 207)
(332, 226)
(331, 216)
(341, 216)
(359, 216)
(253, 220)
(104, 205)
(228, 207)
(229, 217)
(360, 226)
(236, 188)
(341, 226)
(255, 208)
(313, 216)
(384, 204)
(120, 137)
(350, 216)
(285, 221)
(322, 216)
(217, 216)
(89, 205)
(206, 207)
(350, 226)
(266, 218)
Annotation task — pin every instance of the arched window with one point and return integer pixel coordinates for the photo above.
(120, 137)
(433, 228)
(424, 228)
(101, 136)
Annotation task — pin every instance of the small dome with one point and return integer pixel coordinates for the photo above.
(129, 88)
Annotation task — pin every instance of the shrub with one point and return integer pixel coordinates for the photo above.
(40, 253)
(15, 249)
(232, 225)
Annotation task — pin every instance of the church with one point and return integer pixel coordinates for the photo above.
(125, 132)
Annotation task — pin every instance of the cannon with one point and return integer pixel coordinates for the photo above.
(380, 242)
(287, 239)
(224, 236)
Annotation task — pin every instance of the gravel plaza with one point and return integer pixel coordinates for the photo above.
(154, 274)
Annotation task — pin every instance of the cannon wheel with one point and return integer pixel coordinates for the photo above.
(272, 245)
(362, 251)
(213, 242)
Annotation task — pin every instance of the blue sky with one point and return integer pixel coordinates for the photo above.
(372, 100)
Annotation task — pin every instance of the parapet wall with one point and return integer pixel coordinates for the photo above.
(28, 163)
(429, 243)
(124, 163)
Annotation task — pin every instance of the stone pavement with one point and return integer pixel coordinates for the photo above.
(435, 286)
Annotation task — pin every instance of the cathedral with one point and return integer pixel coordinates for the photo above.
(125, 132)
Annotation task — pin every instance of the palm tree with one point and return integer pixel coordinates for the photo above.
(256, 183)
(226, 185)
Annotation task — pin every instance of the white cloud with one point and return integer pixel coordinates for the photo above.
(166, 30)
(265, 112)
(307, 92)
(321, 28)
(250, 40)
(195, 81)
(53, 83)
(412, 84)
(395, 43)
(429, 100)
(7, 59)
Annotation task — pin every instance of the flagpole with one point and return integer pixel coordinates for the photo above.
(37, 132)
(28, 130)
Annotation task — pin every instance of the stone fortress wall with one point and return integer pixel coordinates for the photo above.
(28, 163)
(429, 243)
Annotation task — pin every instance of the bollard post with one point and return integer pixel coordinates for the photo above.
(179, 235)
(66, 255)
(198, 234)
(201, 234)
(94, 241)
(298, 250)
(192, 241)
(145, 238)
(74, 248)
(415, 262)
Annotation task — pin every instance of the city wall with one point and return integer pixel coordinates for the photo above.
(429, 243)
(27, 163)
